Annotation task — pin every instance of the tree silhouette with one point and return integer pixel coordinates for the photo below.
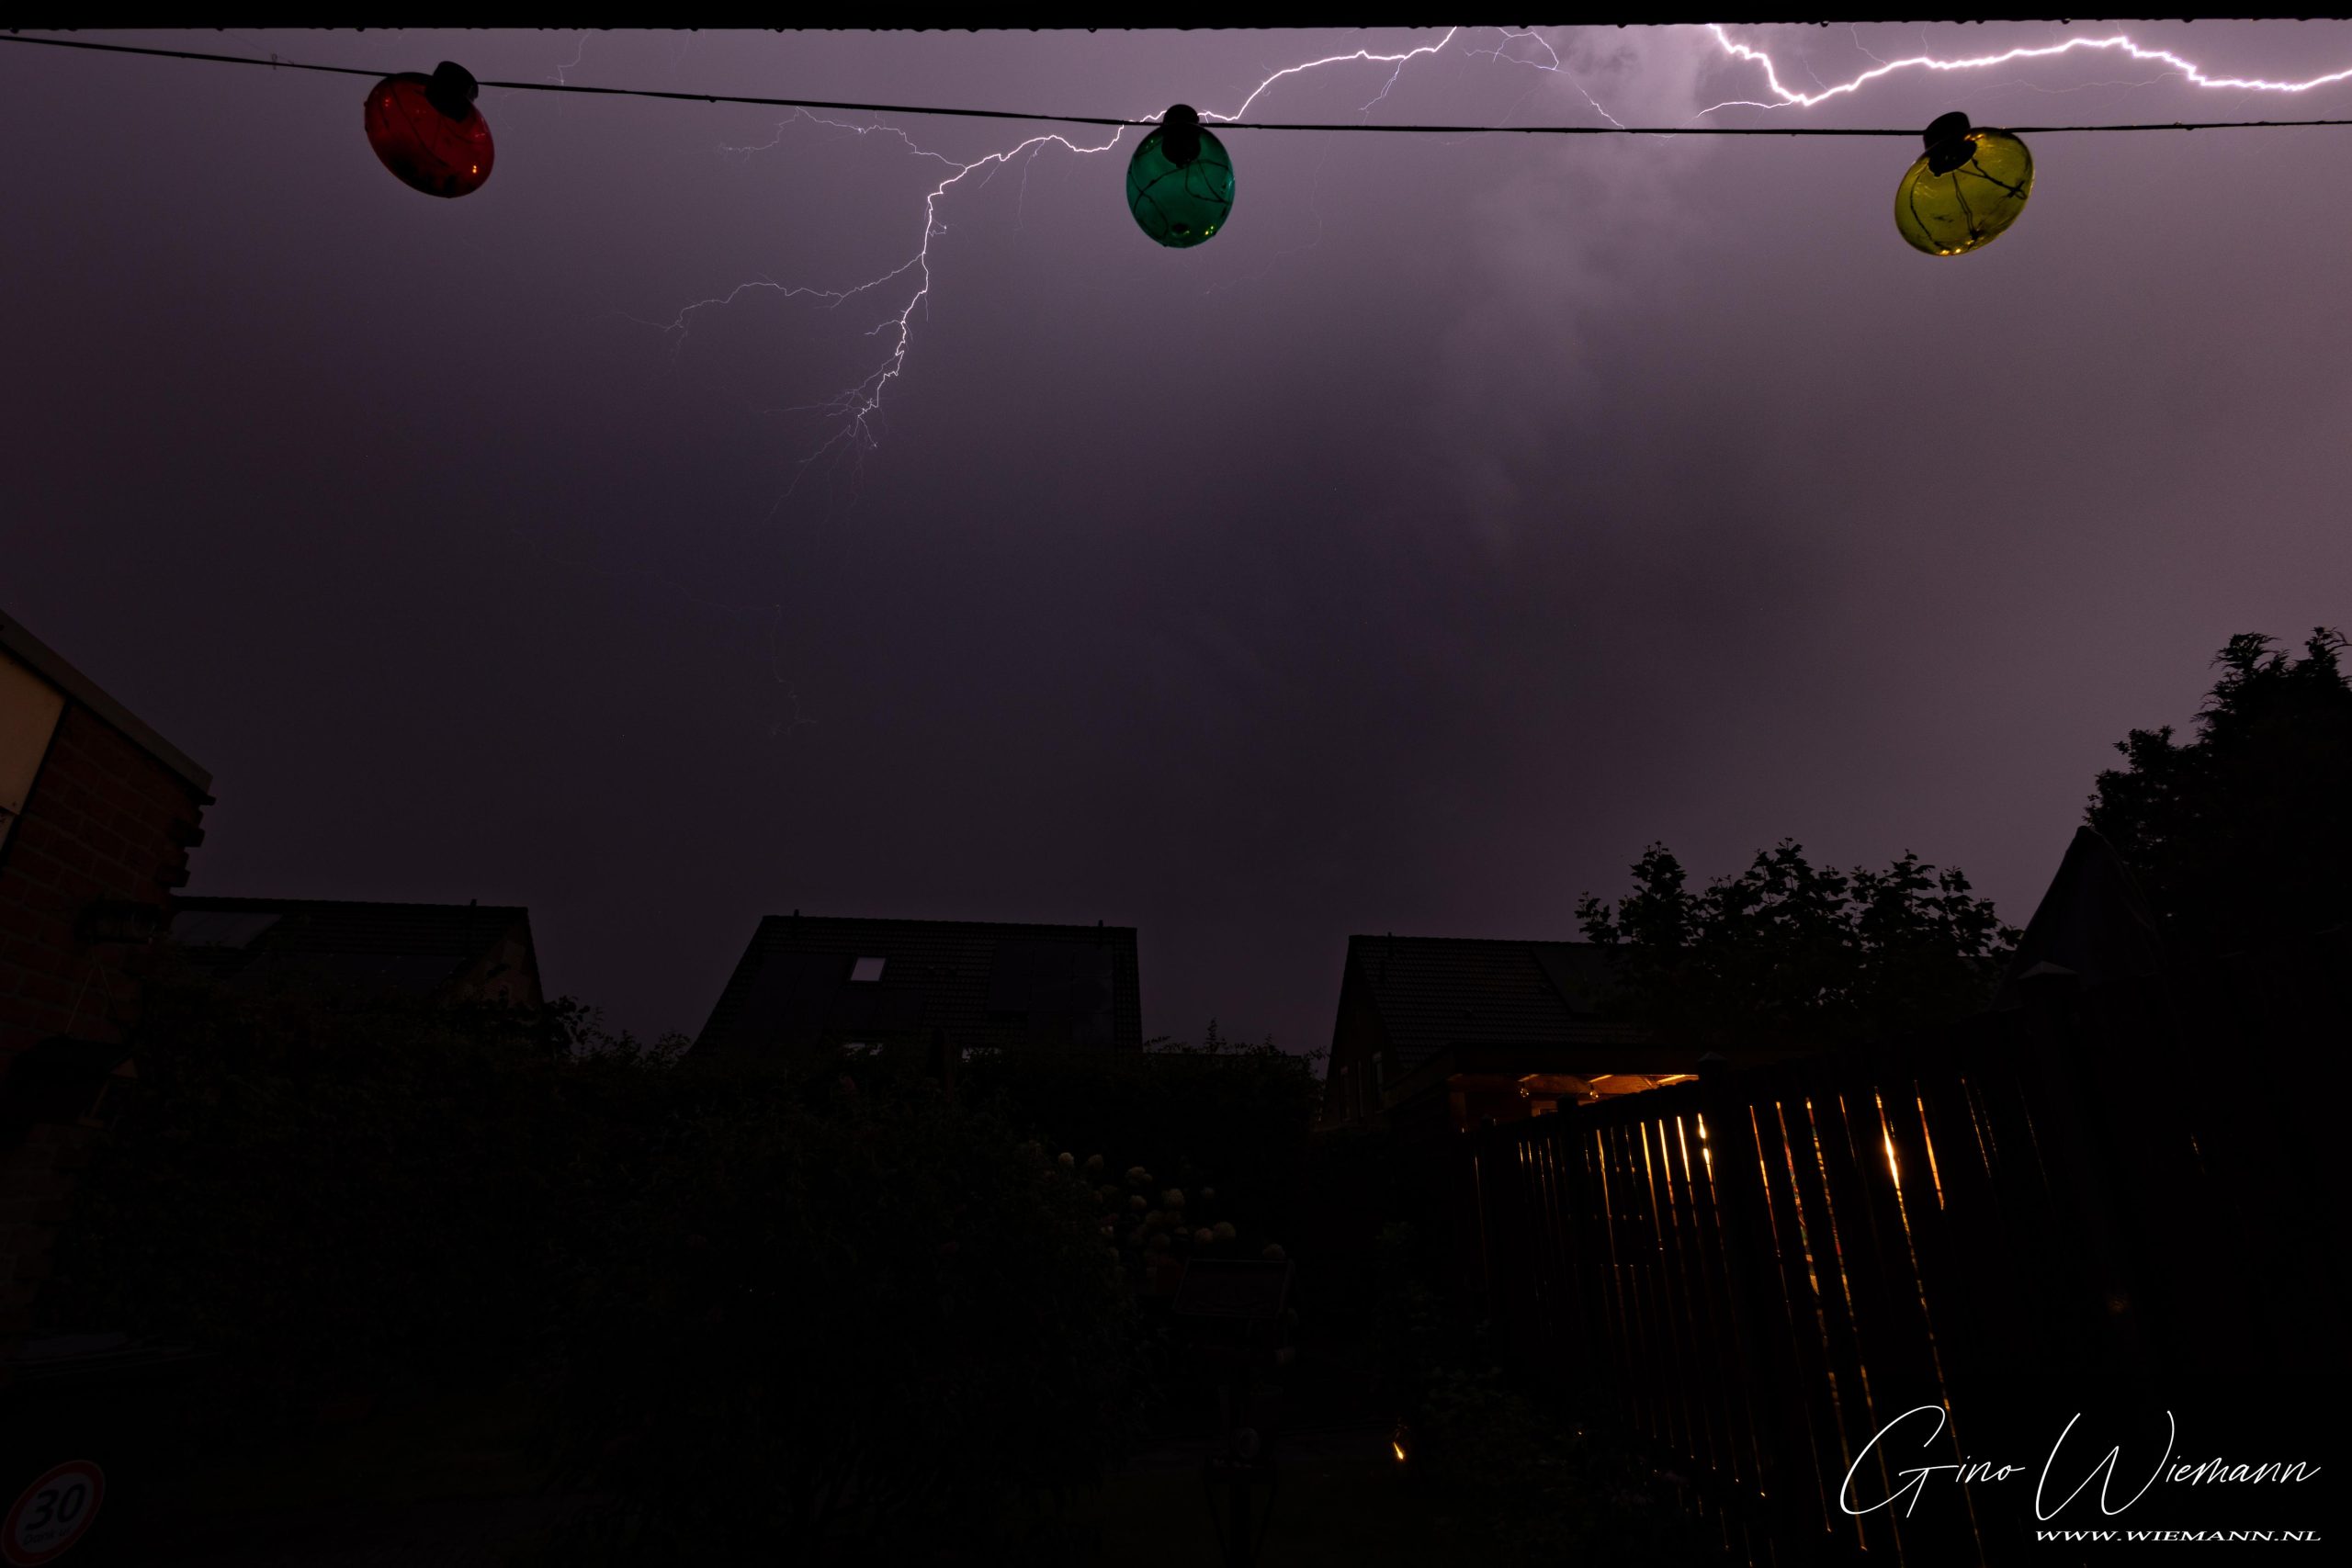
(1787, 954)
(2243, 835)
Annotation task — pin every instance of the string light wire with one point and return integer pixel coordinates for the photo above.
(275, 64)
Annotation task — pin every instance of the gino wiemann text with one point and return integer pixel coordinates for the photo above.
(2054, 1471)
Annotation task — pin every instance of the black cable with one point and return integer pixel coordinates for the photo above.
(277, 64)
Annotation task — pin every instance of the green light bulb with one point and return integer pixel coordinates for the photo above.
(1180, 182)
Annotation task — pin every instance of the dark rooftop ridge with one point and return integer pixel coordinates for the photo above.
(241, 904)
(1097, 929)
(44, 661)
(1489, 940)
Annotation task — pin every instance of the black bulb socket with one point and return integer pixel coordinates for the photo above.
(1179, 135)
(452, 90)
(1949, 147)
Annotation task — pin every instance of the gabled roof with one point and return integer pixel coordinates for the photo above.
(980, 983)
(2091, 924)
(1434, 993)
(420, 949)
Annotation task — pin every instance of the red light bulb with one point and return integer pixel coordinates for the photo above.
(427, 131)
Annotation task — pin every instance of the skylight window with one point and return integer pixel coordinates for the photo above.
(865, 971)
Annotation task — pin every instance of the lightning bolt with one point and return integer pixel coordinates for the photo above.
(573, 63)
(854, 411)
(2119, 43)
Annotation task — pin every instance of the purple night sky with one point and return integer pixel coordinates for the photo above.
(1469, 514)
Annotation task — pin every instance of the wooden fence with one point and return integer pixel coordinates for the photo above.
(2121, 1201)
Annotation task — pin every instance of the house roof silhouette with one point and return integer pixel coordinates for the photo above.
(429, 950)
(807, 981)
(1434, 993)
(2091, 926)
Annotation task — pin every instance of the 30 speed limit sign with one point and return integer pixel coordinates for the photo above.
(54, 1513)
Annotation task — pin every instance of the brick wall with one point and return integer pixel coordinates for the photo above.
(107, 821)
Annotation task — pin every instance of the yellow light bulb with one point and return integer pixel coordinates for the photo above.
(1953, 209)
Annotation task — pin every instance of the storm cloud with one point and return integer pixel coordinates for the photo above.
(1470, 512)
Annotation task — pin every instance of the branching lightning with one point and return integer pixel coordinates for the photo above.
(854, 411)
(2116, 44)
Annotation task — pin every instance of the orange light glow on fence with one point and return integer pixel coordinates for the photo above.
(1929, 1140)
